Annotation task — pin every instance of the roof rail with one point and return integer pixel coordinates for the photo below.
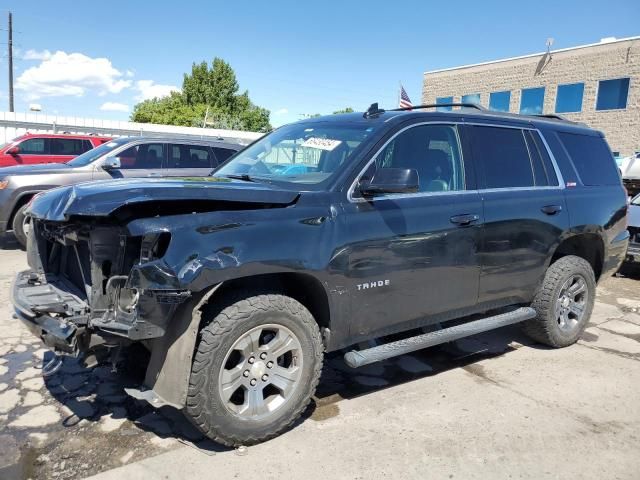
(436, 105)
(552, 115)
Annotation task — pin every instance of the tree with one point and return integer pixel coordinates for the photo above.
(344, 110)
(206, 92)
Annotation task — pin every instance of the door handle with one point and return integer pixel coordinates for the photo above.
(464, 219)
(551, 209)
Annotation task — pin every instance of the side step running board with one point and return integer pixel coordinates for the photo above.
(364, 357)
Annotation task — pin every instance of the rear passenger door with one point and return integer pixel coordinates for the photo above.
(187, 160)
(524, 211)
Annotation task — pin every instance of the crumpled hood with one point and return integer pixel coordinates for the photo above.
(34, 169)
(102, 198)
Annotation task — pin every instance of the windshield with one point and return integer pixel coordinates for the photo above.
(92, 155)
(636, 200)
(308, 153)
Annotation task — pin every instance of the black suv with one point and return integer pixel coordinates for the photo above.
(321, 235)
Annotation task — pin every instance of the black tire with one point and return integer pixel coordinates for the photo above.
(546, 328)
(18, 226)
(206, 407)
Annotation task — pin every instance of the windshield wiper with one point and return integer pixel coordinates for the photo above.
(240, 176)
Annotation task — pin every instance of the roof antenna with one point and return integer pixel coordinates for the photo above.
(373, 111)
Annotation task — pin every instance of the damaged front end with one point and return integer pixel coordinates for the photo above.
(78, 296)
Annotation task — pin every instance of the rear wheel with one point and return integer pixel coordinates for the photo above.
(21, 225)
(255, 369)
(564, 303)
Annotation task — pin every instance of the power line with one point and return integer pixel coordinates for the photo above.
(10, 43)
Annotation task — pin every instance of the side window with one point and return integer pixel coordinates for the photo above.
(591, 158)
(432, 150)
(546, 159)
(539, 172)
(502, 155)
(189, 156)
(33, 146)
(222, 154)
(147, 156)
(66, 146)
(86, 145)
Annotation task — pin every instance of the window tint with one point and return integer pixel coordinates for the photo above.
(222, 154)
(502, 154)
(591, 158)
(499, 101)
(471, 98)
(532, 101)
(33, 146)
(148, 156)
(190, 156)
(67, 146)
(539, 172)
(441, 100)
(612, 94)
(569, 98)
(432, 150)
(546, 159)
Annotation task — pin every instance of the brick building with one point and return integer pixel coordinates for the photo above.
(598, 84)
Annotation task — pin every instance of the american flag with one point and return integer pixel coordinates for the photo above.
(404, 99)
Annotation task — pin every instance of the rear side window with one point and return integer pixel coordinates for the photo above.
(68, 146)
(502, 156)
(591, 158)
(222, 154)
(190, 156)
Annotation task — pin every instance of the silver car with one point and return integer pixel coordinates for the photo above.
(119, 158)
(633, 252)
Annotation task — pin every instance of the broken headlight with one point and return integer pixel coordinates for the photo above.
(154, 246)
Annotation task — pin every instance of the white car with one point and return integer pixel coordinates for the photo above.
(630, 169)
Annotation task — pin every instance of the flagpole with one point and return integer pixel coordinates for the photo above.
(399, 90)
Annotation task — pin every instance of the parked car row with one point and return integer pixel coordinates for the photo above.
(124, 157)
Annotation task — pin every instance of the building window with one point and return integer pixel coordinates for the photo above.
(612, 94)
(532, 101)
(471, 98)
(569, 98)
(499, 101)
(441, 100)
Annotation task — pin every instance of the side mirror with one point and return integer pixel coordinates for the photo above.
(15, 150)
(111, 163)
(391, 180)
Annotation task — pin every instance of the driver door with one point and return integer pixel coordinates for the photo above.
(143, 160)
(412, 257)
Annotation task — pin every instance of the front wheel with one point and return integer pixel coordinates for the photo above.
(21, 225)
(564, 303)
(255, 369)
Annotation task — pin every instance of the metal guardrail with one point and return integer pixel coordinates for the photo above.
(118, 129)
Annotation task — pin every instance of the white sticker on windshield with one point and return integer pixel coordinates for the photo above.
(321, 143)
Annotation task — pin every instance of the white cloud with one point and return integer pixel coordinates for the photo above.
(36, 55)
(70, 74)
(149, 89)
(114, 107)
(282, 111)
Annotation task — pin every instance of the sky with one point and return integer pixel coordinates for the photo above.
(88, 59)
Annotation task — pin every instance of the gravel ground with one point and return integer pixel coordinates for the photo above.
(79, 422)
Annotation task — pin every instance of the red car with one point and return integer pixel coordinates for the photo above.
(46, 148)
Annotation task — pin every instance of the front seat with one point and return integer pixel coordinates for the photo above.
(439, 171)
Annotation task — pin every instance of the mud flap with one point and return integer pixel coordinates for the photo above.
(172, 354)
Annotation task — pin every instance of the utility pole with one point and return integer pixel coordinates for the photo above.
(10, 43)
